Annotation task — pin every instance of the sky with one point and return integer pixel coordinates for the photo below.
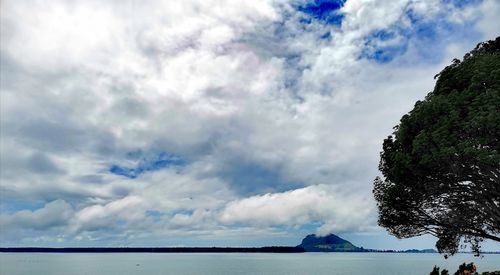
(212, 123)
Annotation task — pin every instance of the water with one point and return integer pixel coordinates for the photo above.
(235, 264)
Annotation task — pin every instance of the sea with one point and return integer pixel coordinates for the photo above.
(236, 263)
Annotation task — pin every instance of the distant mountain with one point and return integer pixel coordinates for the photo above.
(328, 243)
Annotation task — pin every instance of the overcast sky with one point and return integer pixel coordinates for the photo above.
(230, 122)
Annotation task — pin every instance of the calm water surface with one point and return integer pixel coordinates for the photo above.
(235, 264)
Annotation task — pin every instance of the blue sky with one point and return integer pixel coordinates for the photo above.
(212, 122)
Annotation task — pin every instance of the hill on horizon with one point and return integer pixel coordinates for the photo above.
(328, 243)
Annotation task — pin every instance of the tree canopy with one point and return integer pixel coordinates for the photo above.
(441, 165)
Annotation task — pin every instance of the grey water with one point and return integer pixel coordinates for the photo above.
(236, 263)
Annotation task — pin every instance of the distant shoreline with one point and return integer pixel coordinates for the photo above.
(267, 249)
(270, 249)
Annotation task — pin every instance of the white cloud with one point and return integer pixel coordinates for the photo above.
(97, 216)
(54, 214)
(337, 210)
(488, 11)
(269, 118)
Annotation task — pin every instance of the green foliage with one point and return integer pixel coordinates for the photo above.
(441, 166)
(466, 269)
(435, 271)
(463, 269)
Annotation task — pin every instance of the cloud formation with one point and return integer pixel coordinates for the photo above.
(131, 121)
(317, 203)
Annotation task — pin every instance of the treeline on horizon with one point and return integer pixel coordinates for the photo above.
(267, 249)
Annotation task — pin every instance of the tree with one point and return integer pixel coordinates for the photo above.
(435, 271)
(466, 269)
(441, 165)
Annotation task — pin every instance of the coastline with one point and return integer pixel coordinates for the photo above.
(266, 249)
